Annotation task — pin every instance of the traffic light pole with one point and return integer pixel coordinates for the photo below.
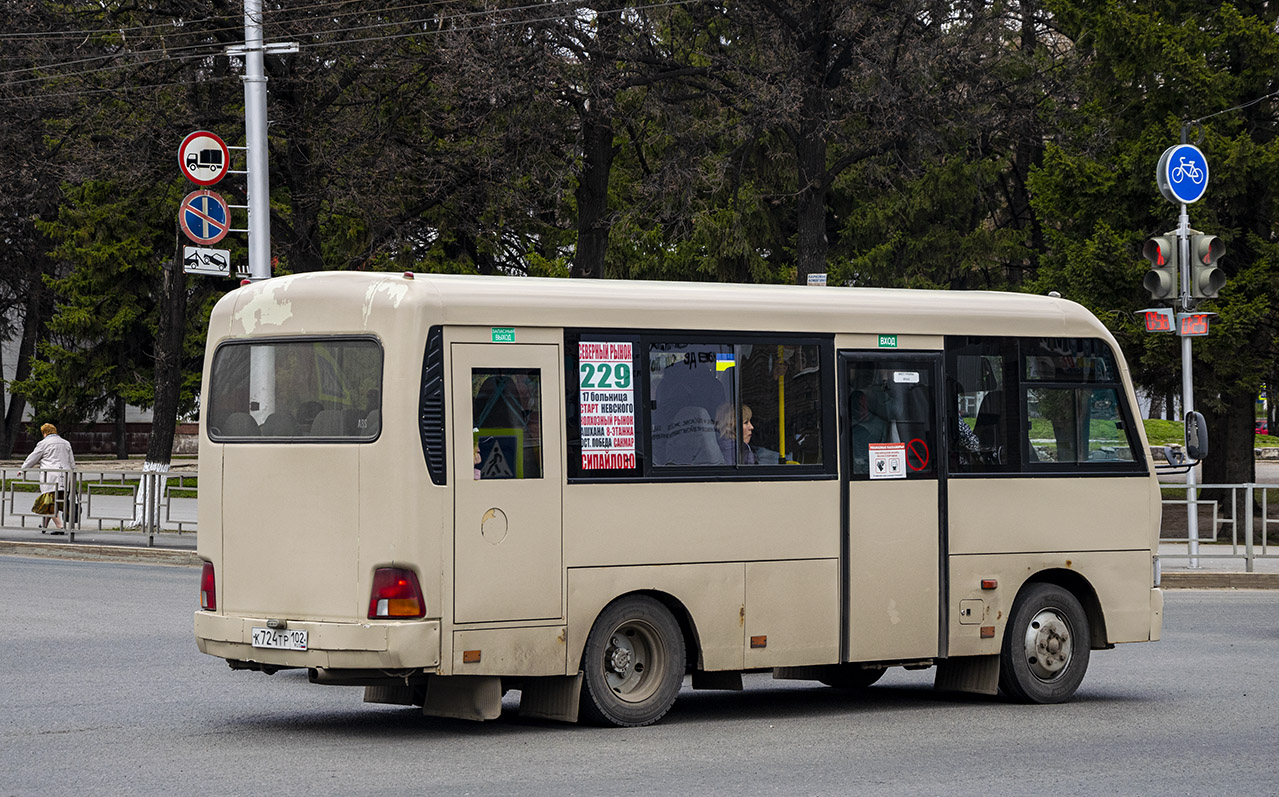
(1187, 381)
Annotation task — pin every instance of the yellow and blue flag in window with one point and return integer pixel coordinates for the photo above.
(724, 361)
(333, 387)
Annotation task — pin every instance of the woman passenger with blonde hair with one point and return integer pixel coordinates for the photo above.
(55, 459)
(726, 431)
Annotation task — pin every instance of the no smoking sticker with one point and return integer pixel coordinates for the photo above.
(917, 454)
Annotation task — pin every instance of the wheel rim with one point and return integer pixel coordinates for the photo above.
(1049, 645)
(633, 661)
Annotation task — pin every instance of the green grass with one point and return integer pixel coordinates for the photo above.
(1164, 433)
(180, 486)
(1168, 433)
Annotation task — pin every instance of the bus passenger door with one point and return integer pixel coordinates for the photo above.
(507, 476)
(893, 544)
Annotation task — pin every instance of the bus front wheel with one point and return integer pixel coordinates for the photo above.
(633, 664)
(1046, 646)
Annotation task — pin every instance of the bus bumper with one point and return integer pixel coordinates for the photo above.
(371, 645)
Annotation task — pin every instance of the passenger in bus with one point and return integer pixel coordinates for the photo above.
(305, 415)
(873, 427)
(726, 430)
(965, 439)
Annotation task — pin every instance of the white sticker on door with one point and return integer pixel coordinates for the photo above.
(887, 460)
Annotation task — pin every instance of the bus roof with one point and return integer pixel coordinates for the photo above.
(323, 302)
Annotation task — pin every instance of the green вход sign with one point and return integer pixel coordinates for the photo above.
(887, 341)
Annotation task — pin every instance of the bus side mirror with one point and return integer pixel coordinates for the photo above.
(1196, 436)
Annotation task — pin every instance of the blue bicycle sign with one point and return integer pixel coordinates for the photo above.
(1182, 174)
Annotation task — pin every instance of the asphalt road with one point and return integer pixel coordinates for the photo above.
(102, 691)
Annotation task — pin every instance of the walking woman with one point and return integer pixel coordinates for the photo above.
(53, 456)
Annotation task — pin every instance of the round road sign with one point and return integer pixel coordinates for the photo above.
(1182, 174)
(204, 217)
(204, 158)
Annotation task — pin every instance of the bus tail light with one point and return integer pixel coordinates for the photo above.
(396, 593)
(208, 588)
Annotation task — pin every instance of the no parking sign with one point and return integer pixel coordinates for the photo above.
(205, 217)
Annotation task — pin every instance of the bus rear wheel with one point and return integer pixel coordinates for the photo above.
(633, 664)
(1046, 646)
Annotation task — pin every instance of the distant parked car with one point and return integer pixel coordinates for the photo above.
(1262, 427)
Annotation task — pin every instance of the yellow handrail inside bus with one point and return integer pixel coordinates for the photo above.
(781, 408)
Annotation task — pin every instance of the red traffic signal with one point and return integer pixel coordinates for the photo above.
(1161, 280)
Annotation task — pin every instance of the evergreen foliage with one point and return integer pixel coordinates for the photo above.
(1005, 145)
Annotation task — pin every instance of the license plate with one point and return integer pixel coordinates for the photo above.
(282, 639)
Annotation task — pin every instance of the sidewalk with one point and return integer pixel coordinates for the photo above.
(1218, 568)
(1215, 570)
(170, 548)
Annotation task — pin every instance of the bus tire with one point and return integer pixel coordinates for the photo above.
(633, 665)
(851, 676)
(1046, 646)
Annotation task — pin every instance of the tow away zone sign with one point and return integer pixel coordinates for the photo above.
(213, 262)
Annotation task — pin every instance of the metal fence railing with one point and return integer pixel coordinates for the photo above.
(146, 502)
(1247, 539)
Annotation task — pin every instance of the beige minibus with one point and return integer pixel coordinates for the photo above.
(444, 488)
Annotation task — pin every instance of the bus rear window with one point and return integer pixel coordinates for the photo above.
(311, 390)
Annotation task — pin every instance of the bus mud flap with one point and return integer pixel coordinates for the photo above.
(552, 698)
(976, 674)
(463, 697)
(396, 695)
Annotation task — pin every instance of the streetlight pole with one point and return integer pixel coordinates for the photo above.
(257, 180)
(262, 362)
(259, 191)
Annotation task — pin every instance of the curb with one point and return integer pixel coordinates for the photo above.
(101, 553)
(1182, 580)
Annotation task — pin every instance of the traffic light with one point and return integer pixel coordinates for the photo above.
(1205, 278)
(1161, 279)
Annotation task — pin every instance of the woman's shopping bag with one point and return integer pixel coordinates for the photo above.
(44, 505)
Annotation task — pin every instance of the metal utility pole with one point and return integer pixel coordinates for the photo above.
(255, 139)
(262, 364)
(257, 178)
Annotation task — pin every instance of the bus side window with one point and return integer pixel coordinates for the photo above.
(506, 412)
(979, 431)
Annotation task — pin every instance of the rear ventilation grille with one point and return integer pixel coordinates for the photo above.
(431, 417)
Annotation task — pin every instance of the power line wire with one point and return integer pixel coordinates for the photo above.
(130, 89)
(441, 21)
(77, 34)
(504, 24)
(189, 47)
